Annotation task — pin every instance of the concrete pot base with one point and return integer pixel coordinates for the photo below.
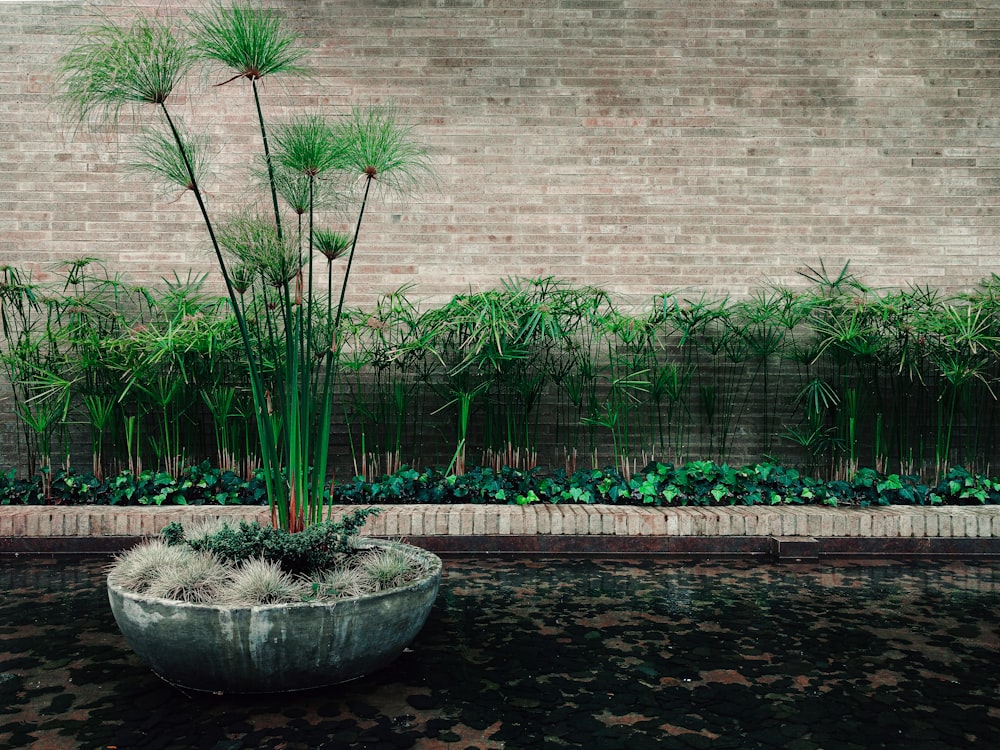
(275, 648)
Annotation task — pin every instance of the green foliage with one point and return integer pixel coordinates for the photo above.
(900, 381)
(697, 483)
(308, 145)
(114, 66)
(15, 491)
(869, 487)
(375, 144)
(959, 487)
(700, 483)
(288, 348)
(160, 158)
(318, 547)
(251, 41)
(199, 484)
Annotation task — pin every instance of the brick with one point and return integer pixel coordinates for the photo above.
(449, 521)
(905, 523)
(758, 521)
(865, 524)
(686, 522)
(621, 517)
(814, 523)
(483, 520)
(932, 523)
(404, 521)
(638, 522)
(737, 522)
(789, 522)
(657, 522)
(479, 521)
(706, 522)
(984, 525)
(530, 520)
(517, 526)
(19, 523)
(556, 524)
(82, 526)
(503, 523)
(388, 521)
(417, 527)
(971, 525)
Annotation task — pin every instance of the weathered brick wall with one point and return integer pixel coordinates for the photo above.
(635, 144)
(639, 145)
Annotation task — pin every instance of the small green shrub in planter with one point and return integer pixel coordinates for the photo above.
(318, 547)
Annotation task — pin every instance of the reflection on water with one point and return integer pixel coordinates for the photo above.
(557, 654)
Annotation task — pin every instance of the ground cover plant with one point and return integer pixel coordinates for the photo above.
(658, 484)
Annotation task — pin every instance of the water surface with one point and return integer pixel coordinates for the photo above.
(588, 654)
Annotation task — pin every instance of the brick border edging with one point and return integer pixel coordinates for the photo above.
(786, 532)
(541, 519)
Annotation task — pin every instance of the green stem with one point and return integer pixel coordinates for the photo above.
(350, 256)
(267, 158)
(275, 490)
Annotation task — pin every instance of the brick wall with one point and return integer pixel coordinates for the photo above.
(639, 145)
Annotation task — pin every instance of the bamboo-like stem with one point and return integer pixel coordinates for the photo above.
(350, 256)
(264, 425)
(267, 158)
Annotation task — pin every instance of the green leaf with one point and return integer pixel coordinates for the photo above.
(670, 493)
(249, 40)
(527, 499)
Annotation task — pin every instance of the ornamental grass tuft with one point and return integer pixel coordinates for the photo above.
(259, 581)
(198, 577)
(138, 568)
(387, 568)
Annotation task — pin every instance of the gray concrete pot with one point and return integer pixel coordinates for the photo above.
(274, 648)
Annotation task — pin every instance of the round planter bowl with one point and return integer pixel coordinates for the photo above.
(275, 648)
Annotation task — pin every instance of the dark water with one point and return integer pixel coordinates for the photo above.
(557, 654)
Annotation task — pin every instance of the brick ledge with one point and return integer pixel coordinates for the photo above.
(558, 529)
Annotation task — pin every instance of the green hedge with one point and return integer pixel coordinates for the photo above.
(695, 483)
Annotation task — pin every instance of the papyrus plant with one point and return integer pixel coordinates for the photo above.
(291, 354)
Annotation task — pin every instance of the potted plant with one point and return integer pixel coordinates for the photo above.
(288, 323)
(255, 609)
